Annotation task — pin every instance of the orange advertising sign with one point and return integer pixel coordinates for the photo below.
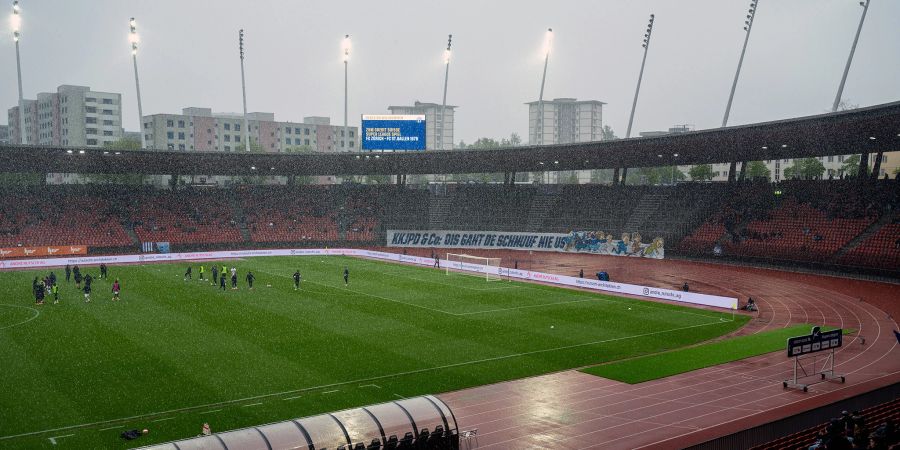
(49, 250)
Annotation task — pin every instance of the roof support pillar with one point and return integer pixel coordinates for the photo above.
(732, 168)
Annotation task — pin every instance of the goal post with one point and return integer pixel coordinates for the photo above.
(457, 263)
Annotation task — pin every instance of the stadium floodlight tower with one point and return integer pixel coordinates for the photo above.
(748, 25)
(133, 37)
(345, 48)
(447, 55)
(548, 44)
(840, 92)
(244, 91)
(637, 90)
(16, 22)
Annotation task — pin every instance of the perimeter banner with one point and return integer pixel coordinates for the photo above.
(52, 250)
(594, 242)
(621, 288)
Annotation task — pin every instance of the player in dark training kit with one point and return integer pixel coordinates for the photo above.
(222, 281)
(297, 279)
(250, 279)
(187, 274)
(346, 276)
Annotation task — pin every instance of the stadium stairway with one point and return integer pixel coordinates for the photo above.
(541, 206)
(438, 210)
(862, 237)
(129, 230)
(238, 213)
(648, 205)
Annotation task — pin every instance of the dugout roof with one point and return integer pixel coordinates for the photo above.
(870, 129)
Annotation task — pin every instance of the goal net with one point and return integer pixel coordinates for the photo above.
(460, 263)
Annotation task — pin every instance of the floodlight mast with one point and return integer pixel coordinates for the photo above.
(16, 20)
(346, 52)
(244, 91)
(748, 25)
(840, 92)
(548, 43)
(447, 55)
(134, 38)
(637, 90)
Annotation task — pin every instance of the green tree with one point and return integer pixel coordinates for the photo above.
(254, 148)
(602, 176)
(123, 144)
(805, 168)
(702, 172)
(607, 134)
(851, 166)
(758, 169)
(299, 149)
(462, 145)
(513, 141)
(485, 143)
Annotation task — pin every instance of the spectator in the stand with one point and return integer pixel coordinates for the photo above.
(685, 287)
(581, 273)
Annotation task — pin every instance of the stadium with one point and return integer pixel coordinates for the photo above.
(455, 299)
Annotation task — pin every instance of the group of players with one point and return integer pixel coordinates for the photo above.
(43, 288)
(221, 277)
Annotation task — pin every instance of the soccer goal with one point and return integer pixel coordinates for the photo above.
(457, 263)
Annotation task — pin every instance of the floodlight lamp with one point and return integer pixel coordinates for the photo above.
(447, 56)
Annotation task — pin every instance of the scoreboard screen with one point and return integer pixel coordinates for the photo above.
(393, 132)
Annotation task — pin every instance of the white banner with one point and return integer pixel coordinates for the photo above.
(563, 280)
(593, 242)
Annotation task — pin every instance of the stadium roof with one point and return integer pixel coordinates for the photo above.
(870, 129)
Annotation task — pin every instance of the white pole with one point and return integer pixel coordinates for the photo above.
(540, 120)
(748, 25)
(840, 92)
(137, 82)
(16, 22)
(244, 92)
(440, 146)
(640, 74)
(346, 49)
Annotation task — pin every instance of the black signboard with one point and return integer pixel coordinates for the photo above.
(816, 341)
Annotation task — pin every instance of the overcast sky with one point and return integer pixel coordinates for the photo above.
(189, 57)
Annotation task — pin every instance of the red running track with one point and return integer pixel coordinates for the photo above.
(573, 410)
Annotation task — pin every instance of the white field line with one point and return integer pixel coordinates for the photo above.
(251, 404)
(358, 381)
(210, 411)
(163, 419)
(35, 316)
(110, 428)
(292, 398)
(331, 391)
(524, 284)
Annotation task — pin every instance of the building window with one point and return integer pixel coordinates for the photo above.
(91, 142)
(208, 131)
(342, 133)
(180, 124)
(108, 122)
(108, 111)
(306, 142)
(107, 101)
(90, 100)
(352, 134)
(181, 135)
(296, 141)
(306, 131)
(840, 158)
(90, 120)
(227, 126)
(237, 127)
(227, 138)
(180, 146)
(287, 130)
(90, 131)
(90, 109)
(351, 144)
(107, 133)
(170, 134)
(296, 131)
(208, 142)
(171, 146)
(146, 125)
(227, 148)
(287, 141)
(170, 123)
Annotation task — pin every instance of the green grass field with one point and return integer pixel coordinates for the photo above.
(652, 367)
(174, 354)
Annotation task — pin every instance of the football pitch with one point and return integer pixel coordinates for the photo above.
(173, 354)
